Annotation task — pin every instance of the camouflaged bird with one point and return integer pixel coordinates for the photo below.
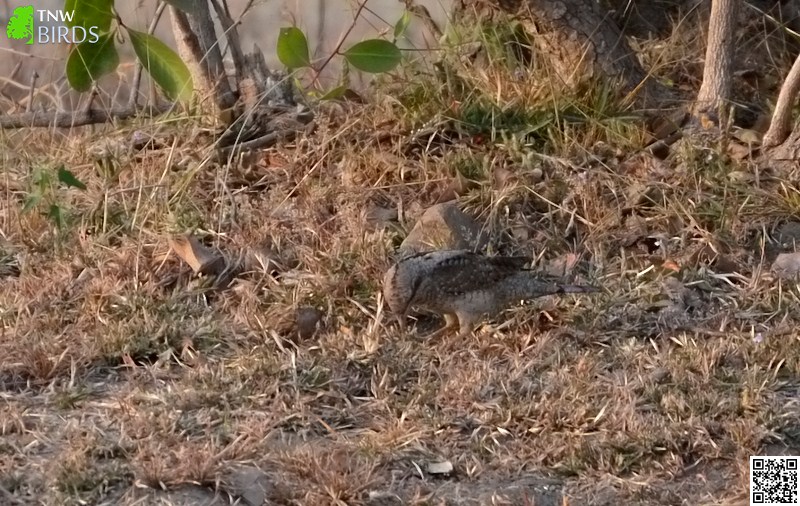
(464, 286)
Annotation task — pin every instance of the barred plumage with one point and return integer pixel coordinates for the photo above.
(465, 286)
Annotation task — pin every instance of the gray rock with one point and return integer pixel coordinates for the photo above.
(251, 484)
(444, 226)
(788, 236)
(308, 320)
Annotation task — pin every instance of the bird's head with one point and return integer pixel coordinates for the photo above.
(398, 290)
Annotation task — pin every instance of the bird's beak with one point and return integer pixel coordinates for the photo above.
(401, 319)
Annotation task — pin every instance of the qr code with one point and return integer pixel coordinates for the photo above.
(773, 481)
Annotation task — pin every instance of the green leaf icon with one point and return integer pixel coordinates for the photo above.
(20, 24)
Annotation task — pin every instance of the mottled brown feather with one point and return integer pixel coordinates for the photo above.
(471, 272)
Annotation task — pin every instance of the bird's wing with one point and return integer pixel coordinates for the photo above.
(469, 271)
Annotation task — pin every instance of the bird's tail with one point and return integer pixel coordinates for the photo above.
(576, 289)
(531, 287)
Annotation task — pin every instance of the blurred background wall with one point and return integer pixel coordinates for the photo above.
(323, 21)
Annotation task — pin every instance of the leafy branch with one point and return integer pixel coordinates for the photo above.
(373, 55)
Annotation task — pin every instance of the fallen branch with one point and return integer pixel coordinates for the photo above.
(265, 141)
(67, 119)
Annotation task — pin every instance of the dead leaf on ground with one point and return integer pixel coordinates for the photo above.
(635, 229)
(741, 176)
(747, 136)
(459, 185)
(201, 259)
(562, 266)
(642, 196)
(726, 264)
(264, 257)
(738, 152)
(502, 177)
(671, 265)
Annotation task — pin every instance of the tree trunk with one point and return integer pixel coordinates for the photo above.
(781, 123)
(197, 44)
(582, 43)
(717, 76)
(786, 154)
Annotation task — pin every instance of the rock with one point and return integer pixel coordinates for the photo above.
(787, 265)
(380, 498)
(659, 149)
(251, 484)
(185, 495)
(442, 467)
(308, 321)
(788, 235)
(444, 226)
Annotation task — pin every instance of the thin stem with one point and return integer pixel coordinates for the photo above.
(341, 41)
(137, 73)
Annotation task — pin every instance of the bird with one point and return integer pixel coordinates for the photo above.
(465, 286)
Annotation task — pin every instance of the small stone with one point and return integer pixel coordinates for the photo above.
(444, 467)
(251, 484)
(308, 320)
(787, 265)
(443, 226)
(788, 235)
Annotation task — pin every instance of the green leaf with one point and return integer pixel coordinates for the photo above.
(56, 215)
(402, 24)
(88, 14)
(293, 48)
(374, 56)
(184, 5)
(31, 202)
(87, 62)
(41, 179)
(334, 93)
(164, 66)
(68, 178)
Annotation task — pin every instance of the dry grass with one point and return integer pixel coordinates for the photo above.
(121, 376)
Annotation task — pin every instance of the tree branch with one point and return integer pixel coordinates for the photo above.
(780, 126)
(67, 119)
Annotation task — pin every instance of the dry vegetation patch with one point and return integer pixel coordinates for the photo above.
(126, 379)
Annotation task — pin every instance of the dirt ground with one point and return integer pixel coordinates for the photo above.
(127, 378)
